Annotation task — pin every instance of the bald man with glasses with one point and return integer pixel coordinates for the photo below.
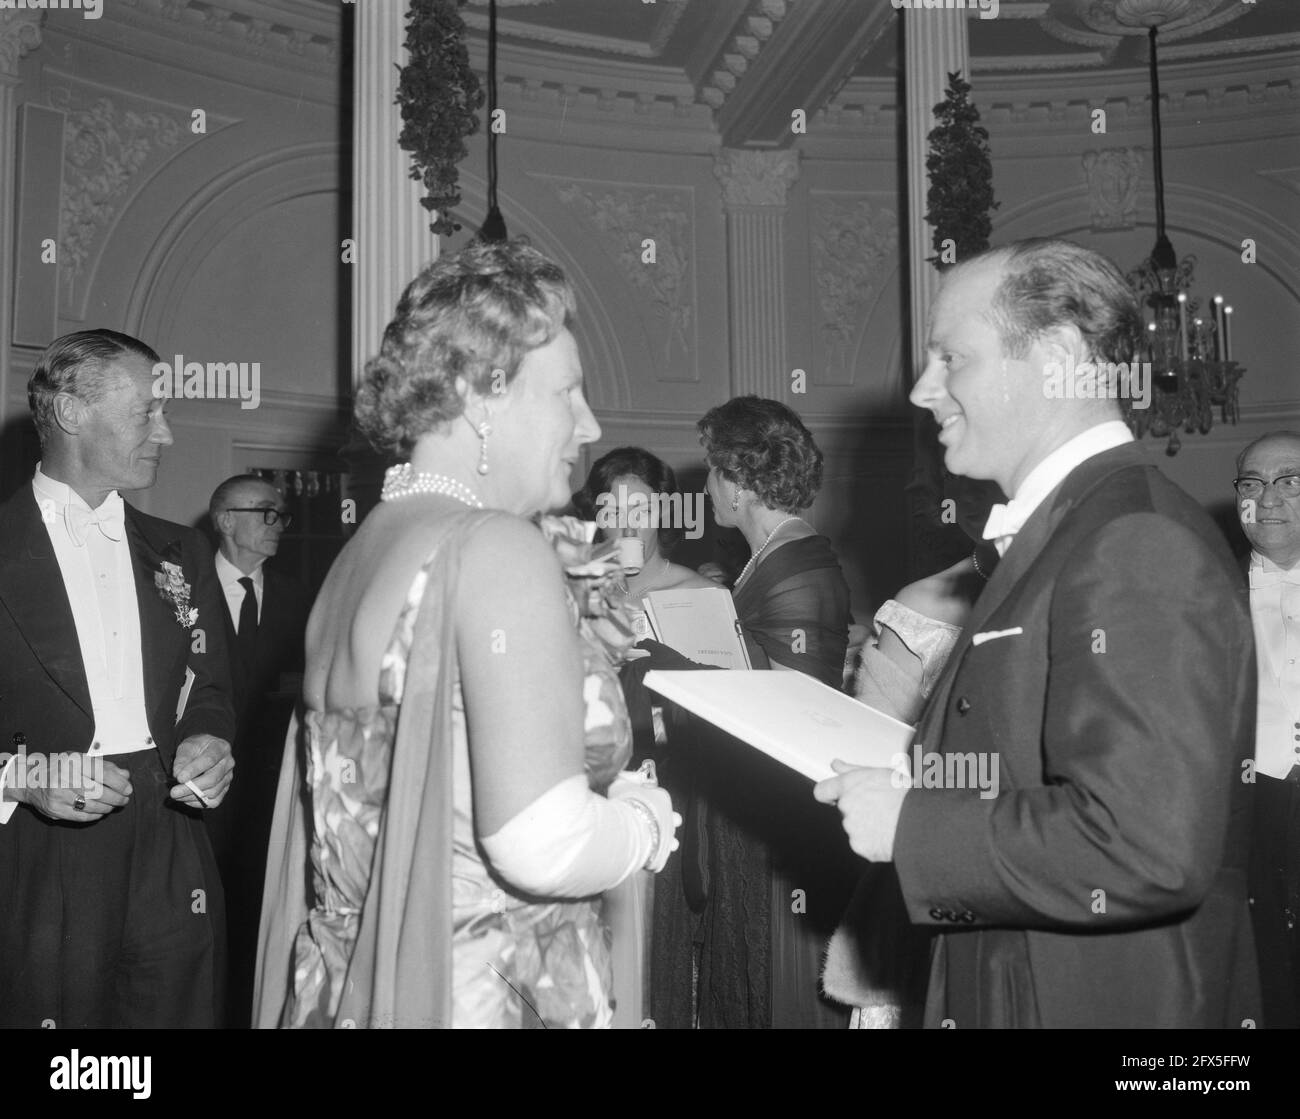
(1268, 506)
(266, 616)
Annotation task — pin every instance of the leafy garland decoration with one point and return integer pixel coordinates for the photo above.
(439, 96)
(960, 169)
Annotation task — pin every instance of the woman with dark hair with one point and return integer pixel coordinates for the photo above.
(764, 871)
(630, 487)
(455, 801)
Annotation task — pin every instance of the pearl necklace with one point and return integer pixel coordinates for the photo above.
(403, 481)
(975, 563)
(762, 548)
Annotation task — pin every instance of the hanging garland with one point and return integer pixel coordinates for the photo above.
(960, 197)
(439, 96)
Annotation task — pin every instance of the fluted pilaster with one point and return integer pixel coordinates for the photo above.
(391, 228)
(755, 185)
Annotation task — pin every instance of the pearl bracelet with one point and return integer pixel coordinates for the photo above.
(648, 814)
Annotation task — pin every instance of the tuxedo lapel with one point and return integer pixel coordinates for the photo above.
(162, 638)
(31, 587)
(1026, 547)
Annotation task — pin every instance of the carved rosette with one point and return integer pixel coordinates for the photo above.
(20, 32)
(108, 151)
(755, 178)
(853, 247)
(625, 218)
(1113, 179)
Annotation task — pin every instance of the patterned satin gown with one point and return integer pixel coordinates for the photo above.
(516, 962)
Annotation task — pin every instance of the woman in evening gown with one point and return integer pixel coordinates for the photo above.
(452, 810)
(764, 870)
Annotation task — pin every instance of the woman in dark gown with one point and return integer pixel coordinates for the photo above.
(763, 872)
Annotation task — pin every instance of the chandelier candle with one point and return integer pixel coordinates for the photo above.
(1218, 329)
(1182, 323)
(1227, 334)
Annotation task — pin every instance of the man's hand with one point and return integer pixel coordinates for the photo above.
(207, 761)
(104, 786)
(870, 800)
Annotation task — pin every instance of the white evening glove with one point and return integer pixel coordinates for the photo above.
(573, 843)
(641, 789)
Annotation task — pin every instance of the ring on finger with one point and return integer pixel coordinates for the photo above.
(80, 803)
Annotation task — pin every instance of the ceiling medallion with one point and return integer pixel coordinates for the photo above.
(1100, 22)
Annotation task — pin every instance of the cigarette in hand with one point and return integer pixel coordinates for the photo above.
(198, 793)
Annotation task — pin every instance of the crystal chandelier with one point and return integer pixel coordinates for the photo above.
(1190, 350)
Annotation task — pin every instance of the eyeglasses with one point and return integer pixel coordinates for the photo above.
(1288, 486)
(269, 516)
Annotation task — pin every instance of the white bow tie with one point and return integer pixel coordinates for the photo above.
(109, 518)
(1003, 523)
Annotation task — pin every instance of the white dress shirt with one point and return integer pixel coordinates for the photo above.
(100, 585)
(229, 575)
(1275, 614)
(1007, 520)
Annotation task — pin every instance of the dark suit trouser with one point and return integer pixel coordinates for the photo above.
(111, 924)
(1275, 896)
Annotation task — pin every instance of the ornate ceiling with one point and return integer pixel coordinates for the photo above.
(734, 68)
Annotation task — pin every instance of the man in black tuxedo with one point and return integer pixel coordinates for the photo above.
(112, 654)
(265, 619)
(1268, 505)
(1077, 830)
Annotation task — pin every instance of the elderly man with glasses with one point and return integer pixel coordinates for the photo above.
(266, 616)
(1268, 506)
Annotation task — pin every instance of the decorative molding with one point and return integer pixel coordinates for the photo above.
(751, 32)
(850, 240)
(280, 32)
(625, 217)
(113, 142)
(1113, 177)
(20, 32)
(1105, 23)
(755, 178)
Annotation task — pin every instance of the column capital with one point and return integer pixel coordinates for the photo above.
(755, 178)
(20, 32)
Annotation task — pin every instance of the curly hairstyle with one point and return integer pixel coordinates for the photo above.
(1047, 283)
(633, 462)
(763, 446)
(473, 314)
(76, 364)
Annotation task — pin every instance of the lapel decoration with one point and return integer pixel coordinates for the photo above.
(171, 584)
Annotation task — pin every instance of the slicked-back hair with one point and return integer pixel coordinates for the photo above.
(763, 446)
(223, 495)
(465, 315)
(77, 364)
(1048, 283)
(630, 462)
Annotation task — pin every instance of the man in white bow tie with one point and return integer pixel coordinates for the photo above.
(1268, 506)
(1108, 669)
(115, 717)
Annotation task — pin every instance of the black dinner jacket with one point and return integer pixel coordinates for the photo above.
(1105, 886)
(279, 648)
(43, 689)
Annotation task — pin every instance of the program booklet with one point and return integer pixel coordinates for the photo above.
(789, 716)
(700, 623)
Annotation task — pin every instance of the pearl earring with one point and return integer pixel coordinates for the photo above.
(735, 502)
(484, 430)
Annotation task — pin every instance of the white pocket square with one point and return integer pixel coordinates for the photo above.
(994, 634)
